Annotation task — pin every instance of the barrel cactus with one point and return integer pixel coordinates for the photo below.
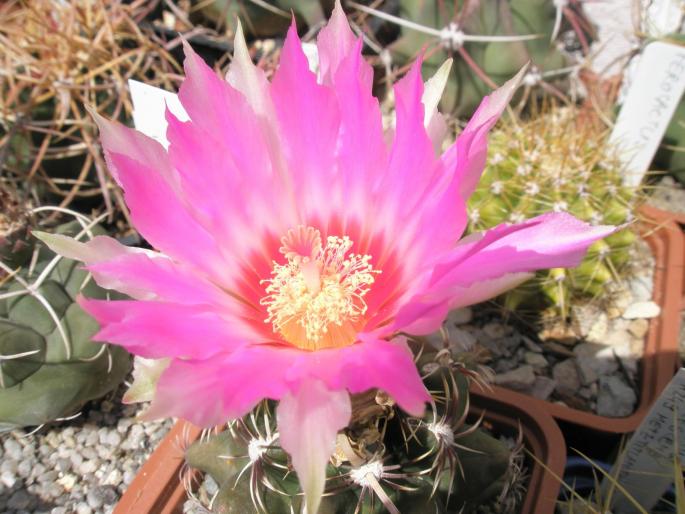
(49, 368)
(555, 163)
(386, 461)
(525, 29)
(57, 58)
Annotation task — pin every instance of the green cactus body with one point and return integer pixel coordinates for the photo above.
(548, 164)
(499, 61)
(53, 377)
(434, 464)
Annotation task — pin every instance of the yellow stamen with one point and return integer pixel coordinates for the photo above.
(316, 299)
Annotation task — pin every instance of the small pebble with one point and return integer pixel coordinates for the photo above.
(24, 468)
(87, 466)
(21, 500)
(8, 479)
(83, 508)
(94, 499)
(615, 398)
(113, 438)
(13, 449)
(639, 328)
(519, 378)
(642, 310)
(128, 477)
(113, 478)
(536, 360)
(566, 375)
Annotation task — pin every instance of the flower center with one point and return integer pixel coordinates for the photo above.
(316, 299)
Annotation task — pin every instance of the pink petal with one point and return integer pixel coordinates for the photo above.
(247, 78)
(224, 387)
(117, 138)
(362, 366)
(163, 218)
(308, 118)
(98, 249)
(142, 274)
(227, 385)
(495, 260)
(308, 422)
(228, 151)
(437, 223)
(227, 122)
(158, 329)
(412, 162)
(149, 277)
(362, 151)
(420, 207)
(467, 155)
(425, 317)
(335, 42)
(230, 181)
(482, 291)
(437, 130)
(250, 80)
(553, 240)
(422, 315)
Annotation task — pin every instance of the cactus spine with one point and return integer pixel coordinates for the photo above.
(555, 163)
(489, 40)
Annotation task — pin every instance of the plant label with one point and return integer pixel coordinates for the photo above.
(649, 105)
(149, 106)
(645, 468)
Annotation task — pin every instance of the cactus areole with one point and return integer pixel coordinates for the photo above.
(295, 242)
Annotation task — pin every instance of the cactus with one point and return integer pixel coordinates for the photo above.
(468, 31)
(265, 20)
(555, 163)
(49, 368)
(57, 58)
(384, 459)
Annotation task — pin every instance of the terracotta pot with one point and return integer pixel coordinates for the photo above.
(660, 358)
(679, 218)
(157, 488)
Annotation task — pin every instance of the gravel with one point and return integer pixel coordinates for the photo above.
(80, 466)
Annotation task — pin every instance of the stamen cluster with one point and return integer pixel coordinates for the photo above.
(315, 299)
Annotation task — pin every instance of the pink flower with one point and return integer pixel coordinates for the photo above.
(293, 243)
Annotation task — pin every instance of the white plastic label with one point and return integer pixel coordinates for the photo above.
(649, 105)
(645, 468)
(149, 106)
